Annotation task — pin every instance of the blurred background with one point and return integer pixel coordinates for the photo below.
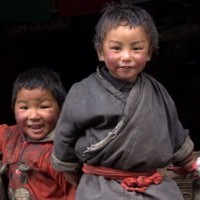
(59, 34)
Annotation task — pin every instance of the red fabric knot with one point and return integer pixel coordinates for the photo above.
(140, 183)
(130, 181)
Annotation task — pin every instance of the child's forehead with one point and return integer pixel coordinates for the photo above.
(34, 90)
(121, 22)
(123, 25)
(34, 93)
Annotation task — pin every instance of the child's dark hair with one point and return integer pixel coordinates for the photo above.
(116, 14)
(40, 77)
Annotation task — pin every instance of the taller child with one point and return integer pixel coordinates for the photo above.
(119, 123)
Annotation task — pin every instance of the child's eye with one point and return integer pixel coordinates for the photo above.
(44, 107)
(116, 48)
(23, 108)
(137, 48)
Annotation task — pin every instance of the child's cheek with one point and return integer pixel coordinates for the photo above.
(19, 117)
(141, 58)
(111, 58)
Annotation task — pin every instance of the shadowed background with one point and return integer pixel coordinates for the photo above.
(59, 34)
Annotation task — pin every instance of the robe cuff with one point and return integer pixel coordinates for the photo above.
(64, 166)
(184, 152)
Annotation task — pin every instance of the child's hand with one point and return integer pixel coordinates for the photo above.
(189, 170)
(178, 170)
(72, 178)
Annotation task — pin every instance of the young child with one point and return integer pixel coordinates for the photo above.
(37, 99)
(119, 123)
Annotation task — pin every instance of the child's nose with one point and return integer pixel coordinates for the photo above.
(126, 55)
(33, 114)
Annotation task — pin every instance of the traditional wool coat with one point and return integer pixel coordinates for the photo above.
(102, 124)
(29, 171)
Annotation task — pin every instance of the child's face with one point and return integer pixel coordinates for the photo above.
(36, 112)
(125, 52)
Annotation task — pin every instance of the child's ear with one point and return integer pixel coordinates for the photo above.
(100, 55)
(149, 55)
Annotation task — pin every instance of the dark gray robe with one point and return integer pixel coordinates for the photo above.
(100, 126)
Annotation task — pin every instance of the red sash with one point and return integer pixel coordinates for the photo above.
(130, 181)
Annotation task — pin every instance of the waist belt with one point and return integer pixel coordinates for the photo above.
(130, 181)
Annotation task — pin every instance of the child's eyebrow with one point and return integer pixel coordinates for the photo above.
(114, 41)
(133, 43)
(20, 101)
(139, 42)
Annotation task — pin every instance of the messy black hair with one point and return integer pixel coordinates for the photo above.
(120, 14)
(39, 77)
